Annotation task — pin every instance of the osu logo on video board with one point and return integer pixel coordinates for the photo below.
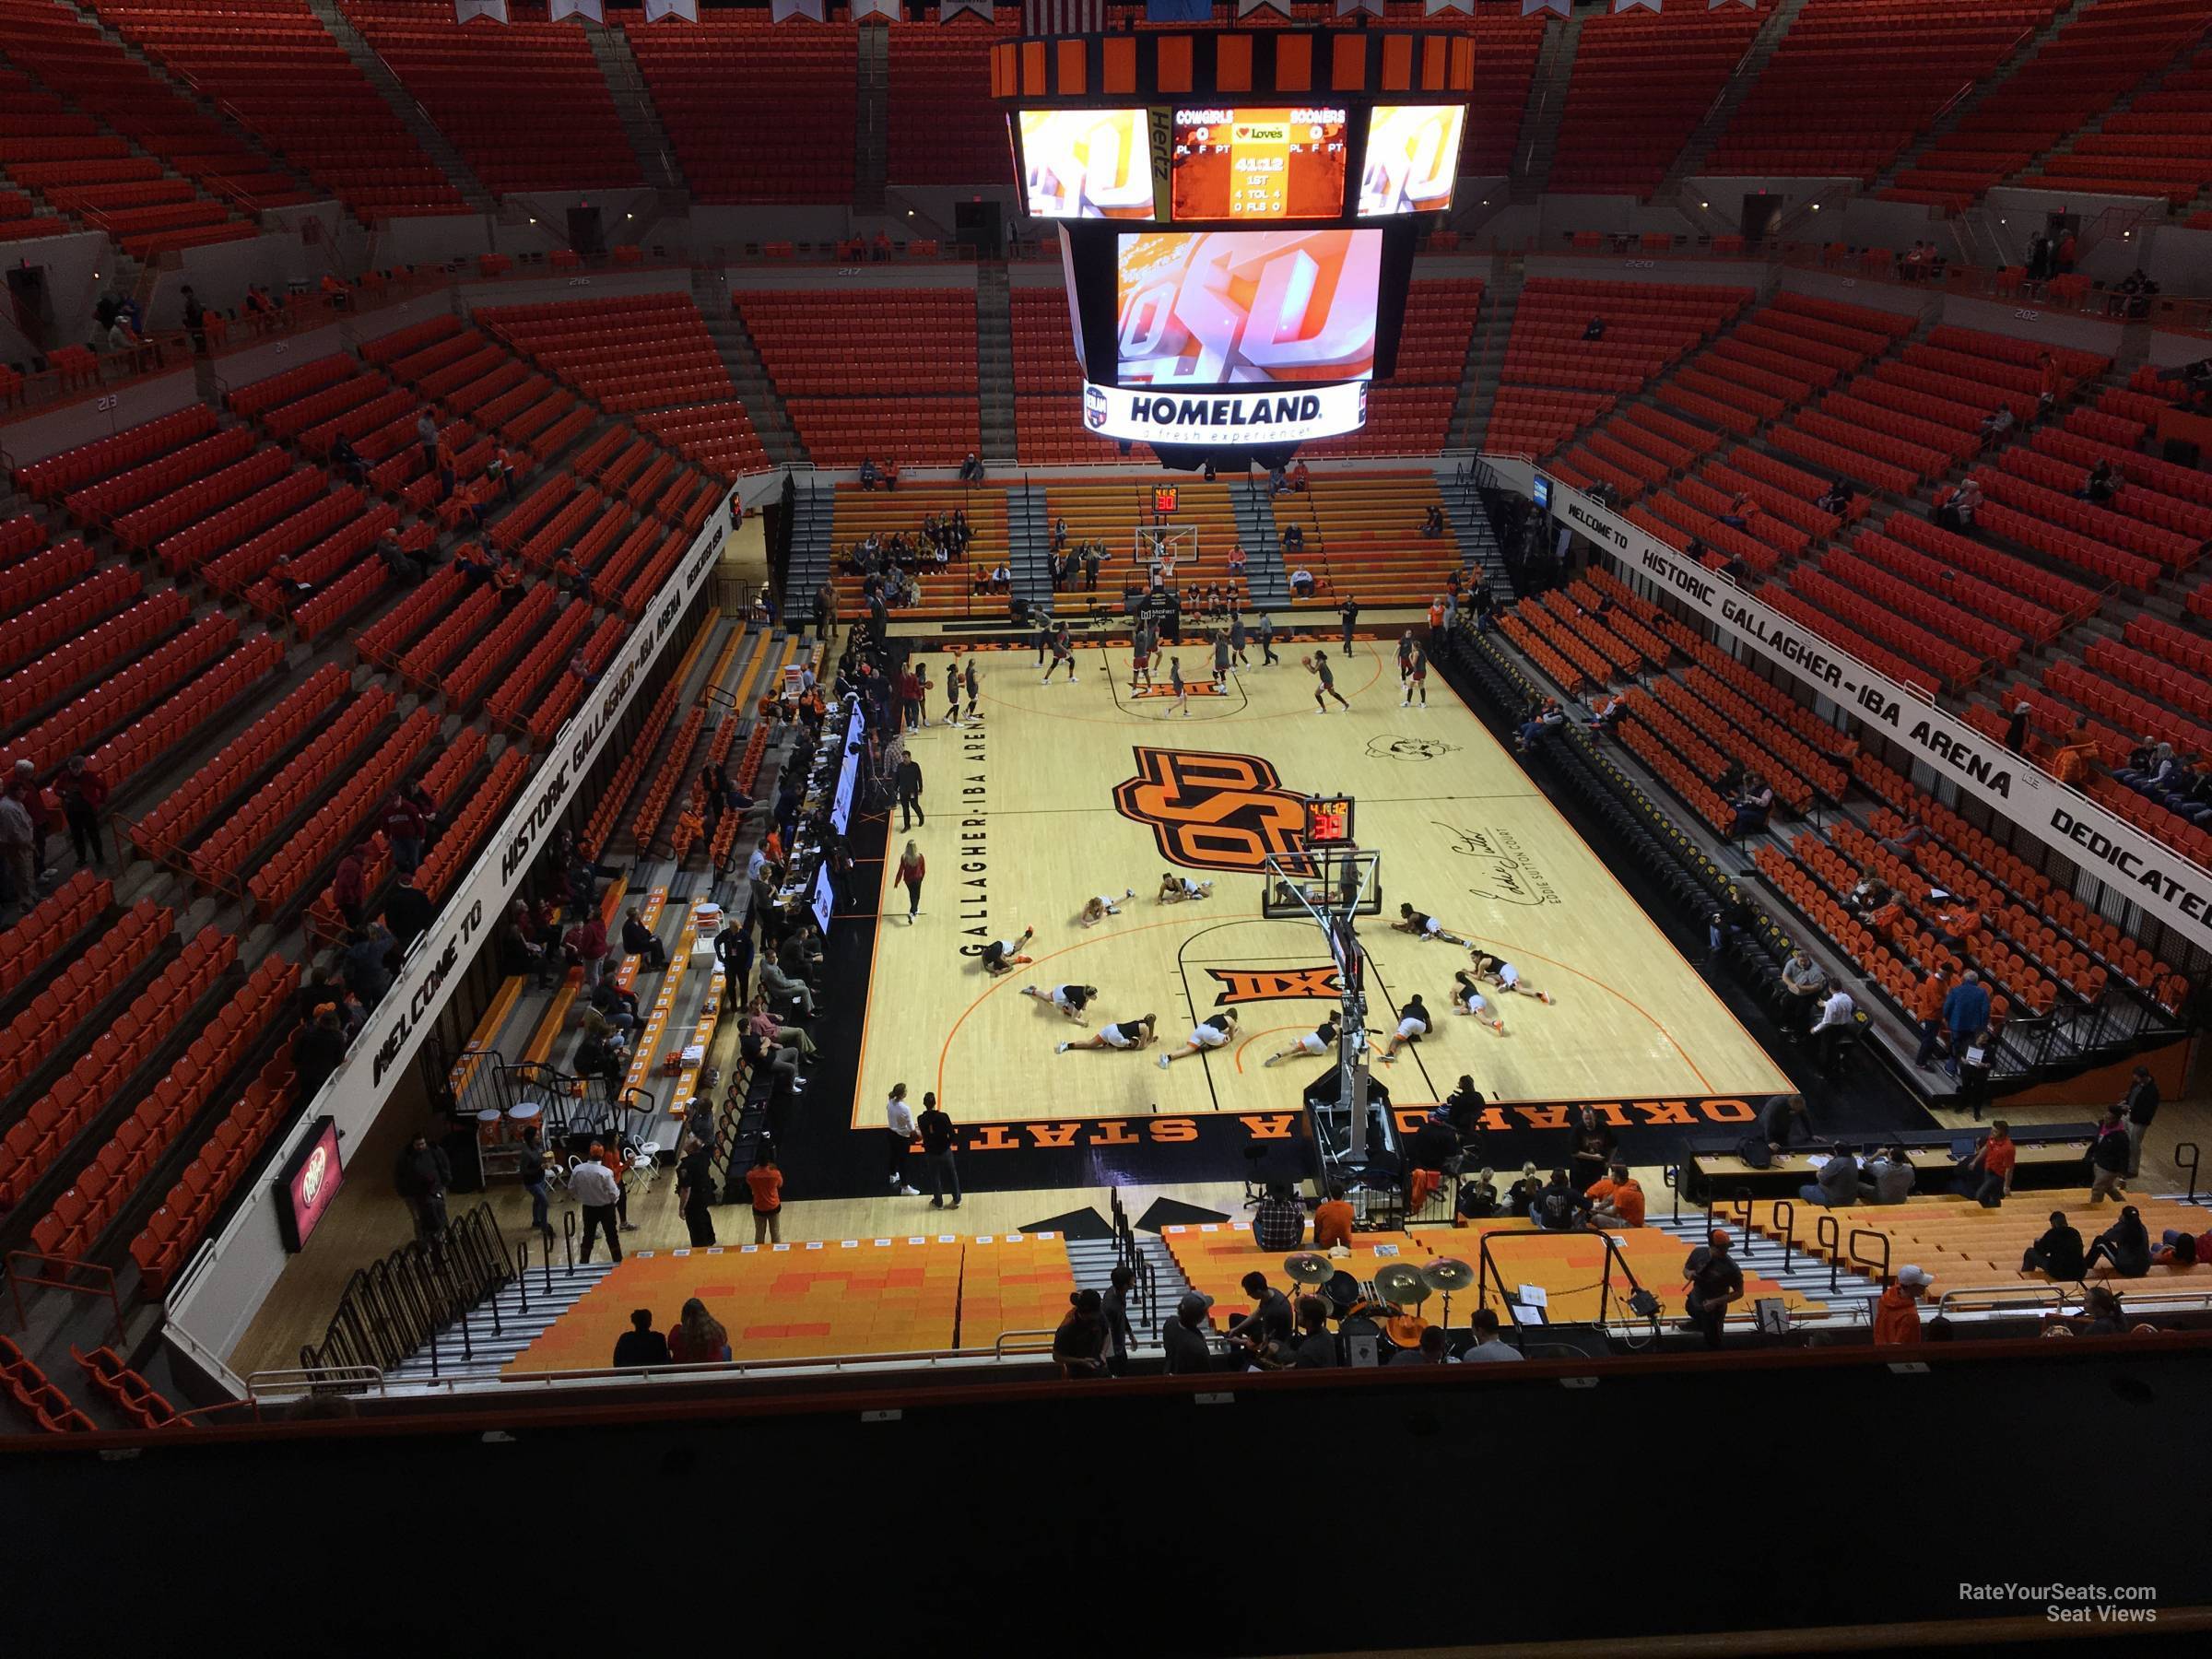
(1281, 984)
(1212, 812)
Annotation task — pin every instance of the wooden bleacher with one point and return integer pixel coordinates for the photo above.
(1109, 511)
(946, 592)
(1363, 537)
(823, 1300)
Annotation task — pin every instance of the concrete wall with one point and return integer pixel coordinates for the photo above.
(2032, 323)
(52, 430)
(433, 240)
(587, 284)
(1721, 194)
(947, 275)
(1629, 268)
(75, 266)
(1835, 285)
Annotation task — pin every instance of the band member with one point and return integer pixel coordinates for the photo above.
(1127, 1034)
(1318, 1042)
(1422, 927)
(1071, 1000)
(1207, 1034)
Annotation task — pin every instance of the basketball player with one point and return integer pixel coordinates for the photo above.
(1506, 976)
(972, 699)
(1413, 1025)
(1318, 1042)
(1328, 684)
(1127, 1034)
(952, 694)
(1236, 634)
(1140, 659)
(1063, 651)
(1096, 911)
(1466, 999)
(1221, 659)
(1044, 637)
(1268, 657)
(1182, 692)
(1002, 956)
(1070, 1000)
(1351, 614)
(1420, 926)
(1207, 1034)
(1413, 672)
(1177, 890)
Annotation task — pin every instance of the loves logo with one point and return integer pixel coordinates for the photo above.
(1213, 812)
(1282, 985)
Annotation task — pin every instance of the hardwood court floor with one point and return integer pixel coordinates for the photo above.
(1023, 826)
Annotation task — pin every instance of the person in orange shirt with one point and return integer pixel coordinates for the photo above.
(1993, 1162)
(1436, 616)
(1617, 1200)
(767, 1184)
(1897, 1313)
(1927, 1007)
(1333, 1219)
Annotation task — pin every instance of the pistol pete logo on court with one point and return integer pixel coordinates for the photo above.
(1282, 985)
(1212, 812)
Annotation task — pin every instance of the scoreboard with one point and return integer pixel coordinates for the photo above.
(1237, 215)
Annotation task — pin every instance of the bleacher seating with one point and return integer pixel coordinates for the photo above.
(2157, 146)
(821, 345)
(789, 138)
(1365, 538)
(525, 102)
(1412, 411)
(1642, 82)
(276, 70)
(950, 589)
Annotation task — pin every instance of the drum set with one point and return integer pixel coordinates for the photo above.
(1385, 1309)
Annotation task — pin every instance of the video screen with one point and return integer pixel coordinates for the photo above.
(1086, 163)
(1412, 157)
(1258, 164)
(1218, 308)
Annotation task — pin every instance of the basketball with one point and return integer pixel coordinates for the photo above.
(1307, 664)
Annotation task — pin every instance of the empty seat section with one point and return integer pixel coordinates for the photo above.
(789, 136)
(1641, 85)
(821, 346)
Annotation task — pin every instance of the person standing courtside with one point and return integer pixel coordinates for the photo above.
(695, 1189)
(597, 1190)
(2141, 1105)
(899, 1128)
(937, 1142)
(908, 779)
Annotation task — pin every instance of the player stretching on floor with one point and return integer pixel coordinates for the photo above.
(1002, 956)
(1127, 1034)
(1321, 1041)
(1176, 890)
(1070, 1000)
(1505, 976)
(1420, 926)
(1207, 1034)
(1318, 664)
(1413, 1025)
(1466, 999)
(1096, 911)
(1413, 672)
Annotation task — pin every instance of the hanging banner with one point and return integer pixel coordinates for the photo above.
(557, 9)
(1433, 7)
(494, 9)
(1621, 6)
(885, 9)
(1179, 11)
(2165, 884)
(953, 8)
(1245, 7)
(1716, 5)
(779, 10)
(1551, 6)
(1346, 7)
(657, 9)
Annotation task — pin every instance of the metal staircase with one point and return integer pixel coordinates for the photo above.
(1707, 131)
(1470, 519)
(402, 103)
(1539, 138)
(1094, 1259)
(741, 360)
(1763, 1257)
(813, 542)
(994, 363)
(871, 130)
(633, 106)
(481, 1342)
(1265, 575)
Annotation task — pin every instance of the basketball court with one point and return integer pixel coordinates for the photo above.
(1064, 791)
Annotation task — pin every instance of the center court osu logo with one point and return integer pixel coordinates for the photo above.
(1212, 812)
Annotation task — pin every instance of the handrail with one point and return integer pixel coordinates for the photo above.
(1881, 1238)
(2190, 1148)
(1786, 1218)
(999, 1349)
(1828, 1232)
(17, 1278)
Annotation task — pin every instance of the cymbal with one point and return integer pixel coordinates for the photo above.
(1306, 1268)
(1448, 1273)
(1402, 1282)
